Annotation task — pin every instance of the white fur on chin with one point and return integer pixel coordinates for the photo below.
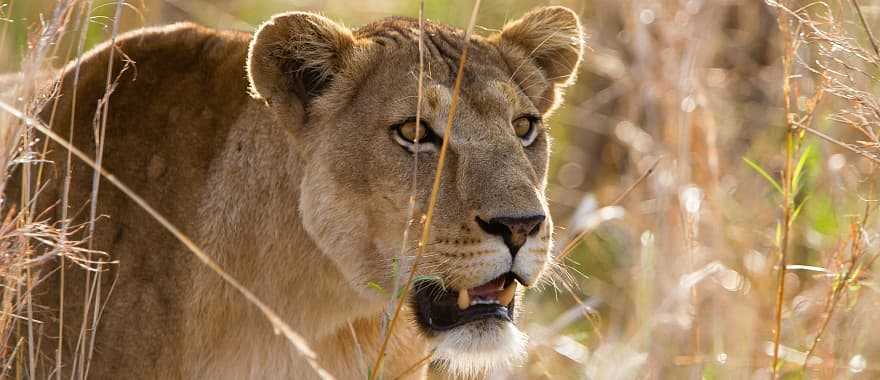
(477, 348)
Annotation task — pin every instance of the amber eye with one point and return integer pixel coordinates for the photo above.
(411, 133)
(526, 128)
(407, 135)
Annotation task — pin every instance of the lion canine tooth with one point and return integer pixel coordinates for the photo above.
(464, 299)
(506, 296)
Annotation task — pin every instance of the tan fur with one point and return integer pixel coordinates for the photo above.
(274, 153)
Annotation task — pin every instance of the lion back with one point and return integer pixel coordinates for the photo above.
(173, 94)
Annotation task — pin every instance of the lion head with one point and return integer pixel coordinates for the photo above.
(349, 98)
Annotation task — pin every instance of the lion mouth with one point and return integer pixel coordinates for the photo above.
(440, 309)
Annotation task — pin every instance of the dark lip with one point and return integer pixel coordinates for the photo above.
(436, 308)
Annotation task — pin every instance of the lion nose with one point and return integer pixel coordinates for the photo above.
(514, 230)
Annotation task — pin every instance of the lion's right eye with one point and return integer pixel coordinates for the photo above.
(412, 132)
(409, 134)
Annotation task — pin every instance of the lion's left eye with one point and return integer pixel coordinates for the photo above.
(526, 128)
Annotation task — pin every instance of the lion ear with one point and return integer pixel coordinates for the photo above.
(296, 55)
(552, 38)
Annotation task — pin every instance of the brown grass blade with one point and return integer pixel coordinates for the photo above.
(569, 247)
(435, 191)
(292, 336)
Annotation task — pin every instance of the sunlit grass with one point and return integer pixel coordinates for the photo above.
(769, 141)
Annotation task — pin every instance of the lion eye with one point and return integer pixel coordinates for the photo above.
(407, 135)
(411, 133)
(526, 128)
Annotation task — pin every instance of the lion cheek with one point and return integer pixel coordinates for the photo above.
(322, 206)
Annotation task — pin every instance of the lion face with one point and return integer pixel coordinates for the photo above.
(350, 99)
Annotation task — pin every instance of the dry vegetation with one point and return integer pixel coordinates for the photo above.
(716, 157)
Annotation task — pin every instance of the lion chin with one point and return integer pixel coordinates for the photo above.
(478, 348)
(471, 330)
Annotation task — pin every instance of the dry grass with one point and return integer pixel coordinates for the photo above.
(376, 371)
(21, 258)
(710, 267)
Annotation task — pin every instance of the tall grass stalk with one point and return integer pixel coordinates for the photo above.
(787, 198)
(435, 191)
(277, 322)
(702, 83)
(83, 28)
(100, 133)
(410, 218)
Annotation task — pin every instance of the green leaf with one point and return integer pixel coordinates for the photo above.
(797, 209)
(822, 214)
(756, 167)
(376, 287)
(798, 170)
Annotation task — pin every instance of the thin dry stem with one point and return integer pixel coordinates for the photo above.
(101, 131)
(834, 296)
(787, 196)
(68, 173)
(410, 218)
(569, 247)
(415, 367)
(866, 28)
(435, 191)
(295, 338)
(849, 147)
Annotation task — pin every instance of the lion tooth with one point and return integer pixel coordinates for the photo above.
(464, 299)
(506, 296)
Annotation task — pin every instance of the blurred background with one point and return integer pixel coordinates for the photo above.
(760, 118)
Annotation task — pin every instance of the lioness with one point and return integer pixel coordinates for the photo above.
(288, 156)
